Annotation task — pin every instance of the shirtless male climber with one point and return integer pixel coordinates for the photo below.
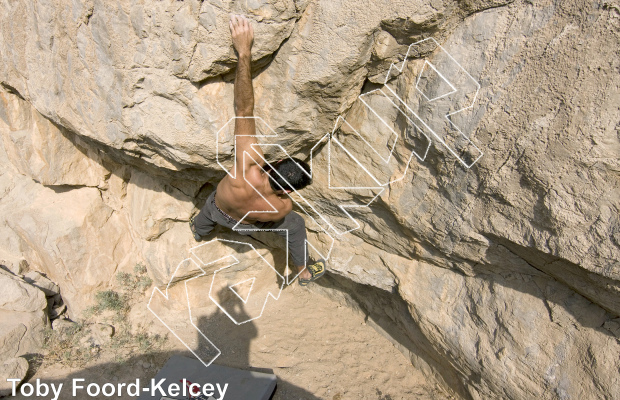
(237, 196)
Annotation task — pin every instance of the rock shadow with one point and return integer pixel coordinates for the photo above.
(233, 340)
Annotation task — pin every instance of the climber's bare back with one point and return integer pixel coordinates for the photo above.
(236, 197)
(239, 196)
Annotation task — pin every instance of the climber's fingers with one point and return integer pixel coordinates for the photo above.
(241, 31)
(247, 26)
(238, 23)
(242, 22)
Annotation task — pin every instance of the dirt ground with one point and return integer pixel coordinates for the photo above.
(317, 348)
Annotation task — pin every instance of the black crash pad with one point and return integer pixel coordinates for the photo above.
(242, 384)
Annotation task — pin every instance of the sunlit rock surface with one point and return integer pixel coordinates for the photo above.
(501, 280)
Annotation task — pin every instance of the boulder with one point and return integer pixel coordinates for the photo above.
(493, 276)
(42, 282)
(75, 222)
(21, 333)
(13, 368)
(97, 335)
(17, 295)
(10, 336)
(15, 264)
(64, 326)
(55, 312)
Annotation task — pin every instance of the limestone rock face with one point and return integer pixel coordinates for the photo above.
(14, 368)
(39, 149)
(40, 281)
(74, 225)
(22, 312)
(12, 262)
(155, 206)
(9, 338)
(18, 295)
(21, 333)
(132, 75)
(499, 280)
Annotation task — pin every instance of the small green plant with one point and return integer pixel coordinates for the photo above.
(131, 286)
(139, 269)
(127, 343)
(107, 300)
(66, 347)
(110, 300)
(135, 283)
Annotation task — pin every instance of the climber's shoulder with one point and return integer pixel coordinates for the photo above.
(251, 175)
(243, 186)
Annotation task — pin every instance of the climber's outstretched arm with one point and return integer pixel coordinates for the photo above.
(245, 126)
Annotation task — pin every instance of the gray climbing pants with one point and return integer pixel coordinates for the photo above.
(292, 228)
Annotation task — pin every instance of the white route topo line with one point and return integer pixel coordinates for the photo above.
(413, 118)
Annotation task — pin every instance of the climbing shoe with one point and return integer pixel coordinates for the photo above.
(197, 237)
(317, 270)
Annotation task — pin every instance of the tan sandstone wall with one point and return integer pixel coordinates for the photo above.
(502, 280)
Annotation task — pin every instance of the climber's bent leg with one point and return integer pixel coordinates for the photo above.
(297, 237)
(203, 223)
(296, 240)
